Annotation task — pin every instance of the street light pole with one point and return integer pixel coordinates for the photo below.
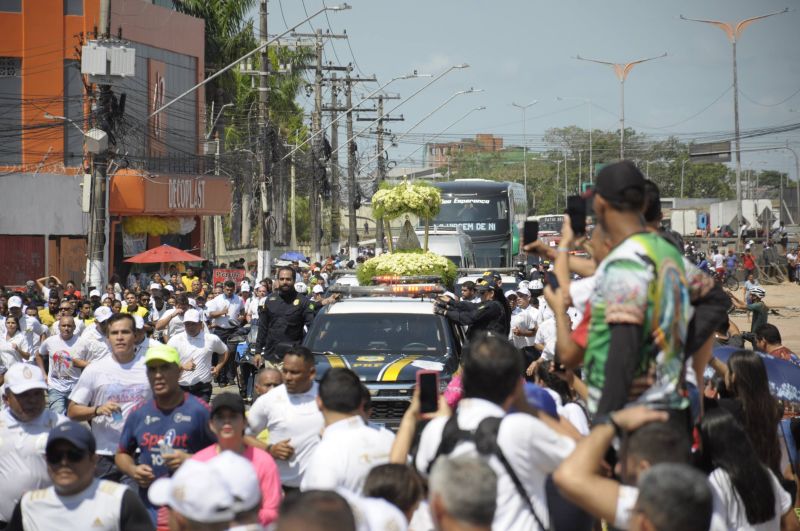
(733, 32)
(622, 70)
(524, 109)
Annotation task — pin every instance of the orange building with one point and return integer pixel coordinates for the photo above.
(45, 105)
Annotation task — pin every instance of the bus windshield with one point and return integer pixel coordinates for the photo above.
(473, 214)
(551, 224)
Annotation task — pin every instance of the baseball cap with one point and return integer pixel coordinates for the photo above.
(102, 313)
(231, 401)
(22, 377)
(155, 285)
(94, 293)
(536, 284)
(74, 433)
(300, 287)
(245, 289)
(539, 398)
(317, 289)
(524, 291)
(510, 293)
(138, 321)
(162, 352)
(485, 285)
(194, 491)
(191, 316)
(169, 287)
(491, 274)
(240, 478)
(614, 179)
(15, 302)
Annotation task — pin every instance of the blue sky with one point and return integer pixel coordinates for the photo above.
(524, 50)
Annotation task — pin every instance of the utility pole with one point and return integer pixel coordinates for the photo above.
(315, 205)
(264, 180)
(335, 216)
(97, 263)
(381, 160)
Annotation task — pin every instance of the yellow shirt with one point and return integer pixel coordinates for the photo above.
(46, 317)
(187, 281)
(141, 311)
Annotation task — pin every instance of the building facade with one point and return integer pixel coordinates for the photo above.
(438, 154)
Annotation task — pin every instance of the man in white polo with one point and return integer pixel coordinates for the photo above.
(197, 347)
(24, 426)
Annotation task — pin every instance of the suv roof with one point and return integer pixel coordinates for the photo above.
(381, 305)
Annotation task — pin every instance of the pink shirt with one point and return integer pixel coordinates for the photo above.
(268, 478)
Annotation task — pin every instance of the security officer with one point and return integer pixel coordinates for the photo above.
(487, 316)
(283, 315)
(499, 296)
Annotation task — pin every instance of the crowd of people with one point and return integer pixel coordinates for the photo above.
(584, 395)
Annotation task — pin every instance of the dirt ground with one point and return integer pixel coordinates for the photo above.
(785, 299)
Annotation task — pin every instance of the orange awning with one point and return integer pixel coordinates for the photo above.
(132, 193)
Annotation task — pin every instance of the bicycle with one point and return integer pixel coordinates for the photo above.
(727, 280)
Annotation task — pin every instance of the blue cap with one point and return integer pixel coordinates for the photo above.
(539, 398)
(74, 433)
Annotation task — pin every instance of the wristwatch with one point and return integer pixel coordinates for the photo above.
(609, 420)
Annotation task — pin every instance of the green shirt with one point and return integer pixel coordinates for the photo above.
(641, 282)
(760, 313)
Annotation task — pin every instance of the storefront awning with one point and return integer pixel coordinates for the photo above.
(132, 193)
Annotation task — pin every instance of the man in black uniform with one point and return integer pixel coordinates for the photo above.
(488, 315)
(500, 297)
(283, 315)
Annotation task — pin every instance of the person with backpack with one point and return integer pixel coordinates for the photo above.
(521, 448)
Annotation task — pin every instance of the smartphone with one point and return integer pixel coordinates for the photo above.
(530, 232)
(428, 385)
(552, 281)
(576, 208)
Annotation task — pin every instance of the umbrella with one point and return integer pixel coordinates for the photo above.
(162, 254)
(293, 255)
(300, 264)
(784, 376)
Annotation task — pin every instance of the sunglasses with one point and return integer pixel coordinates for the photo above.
(73, 456)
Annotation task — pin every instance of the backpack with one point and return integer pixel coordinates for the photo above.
(485, 439)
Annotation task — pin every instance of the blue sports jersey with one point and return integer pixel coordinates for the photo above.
(182, 428)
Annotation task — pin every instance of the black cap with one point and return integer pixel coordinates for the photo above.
(74, 433)
(485, 284)
(491, 274)
(614, 179)
(232, 401)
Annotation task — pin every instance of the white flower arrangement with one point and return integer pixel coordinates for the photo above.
(407, 264)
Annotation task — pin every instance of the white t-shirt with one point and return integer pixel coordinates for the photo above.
(98, 507)
(198, 349)
(62, 373)
(579, 291)
(729, 512)
(9, 354)
(718, 260)
(22, 464)
(233, 307)
(374, 514)
(252, 306)
(546, 335)
(97, 345)
(533, 450)
(348, 450)
(289, 416)
(524, 320)
(576, 416)
(175, 325)
(108, 380)
(33, 330)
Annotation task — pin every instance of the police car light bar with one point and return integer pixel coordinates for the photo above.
(483, 271)
(411, 279)
(408, 290)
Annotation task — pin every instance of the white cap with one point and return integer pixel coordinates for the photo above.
(536, 284)
(195, 492)
(300, 287)
(155, 285)
(240, 478)
(22, 377)
(191, 316)
(317, 289)
(15, 302)
(324, 275)
(524, 291)
(193, 303)
(139, 321)
(169, 287)
(524, 284)
(510, 293)
(102, 313)
(245, 288)
(94, 293)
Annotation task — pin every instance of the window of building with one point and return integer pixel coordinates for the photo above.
(11, 110)
(12, 6)
(73, 7)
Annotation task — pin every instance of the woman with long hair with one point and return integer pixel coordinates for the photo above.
(747, 495)
(746, 379)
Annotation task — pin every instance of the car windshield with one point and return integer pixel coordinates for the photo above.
(551, 224)
(346, 334)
